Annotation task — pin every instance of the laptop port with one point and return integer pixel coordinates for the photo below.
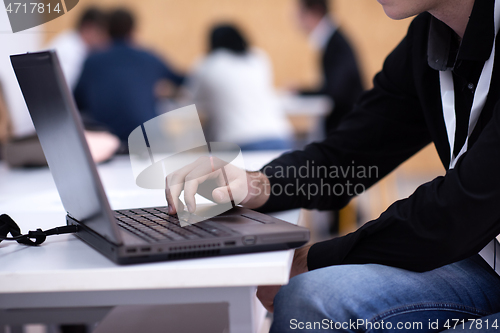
(131, 250)
(145, 249)
(249, 240)
(230, 243)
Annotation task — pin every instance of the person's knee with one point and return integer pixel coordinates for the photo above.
(334, 296)
(298, 293)
(339, 292)
(314, 292)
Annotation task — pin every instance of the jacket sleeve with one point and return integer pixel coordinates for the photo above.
(385, 128)
(168, 73)
(444, 221)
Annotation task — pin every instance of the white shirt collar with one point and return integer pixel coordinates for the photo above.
(322, 32)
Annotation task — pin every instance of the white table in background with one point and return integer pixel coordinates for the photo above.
(66, 273)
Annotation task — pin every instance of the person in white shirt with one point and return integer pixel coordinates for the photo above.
(233, 87)
(73, 46)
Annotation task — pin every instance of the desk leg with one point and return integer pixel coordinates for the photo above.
(242, 311)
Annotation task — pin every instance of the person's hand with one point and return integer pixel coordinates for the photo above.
(266, 294)
(102, 145)
(218, 181)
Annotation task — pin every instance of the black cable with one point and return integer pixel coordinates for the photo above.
(8, 225)
(12, 238)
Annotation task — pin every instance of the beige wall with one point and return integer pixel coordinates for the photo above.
(177, 30)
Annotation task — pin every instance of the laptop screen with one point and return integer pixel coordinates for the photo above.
(59, 128)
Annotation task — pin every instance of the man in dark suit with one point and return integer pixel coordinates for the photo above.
(341, 75)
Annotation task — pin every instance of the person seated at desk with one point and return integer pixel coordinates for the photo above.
(233, 87)
(340, 71)
(416, 267)
(117, 86)
(74, 46)
(27, 152)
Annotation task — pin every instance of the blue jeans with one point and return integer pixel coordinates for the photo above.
(376, 298)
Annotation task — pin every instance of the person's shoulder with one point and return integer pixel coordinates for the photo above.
(259, 57)
(216, 58)
(98, 57)
(211, 65)
(338, 40)
(199, 64)
(148, 56)
(143, 52)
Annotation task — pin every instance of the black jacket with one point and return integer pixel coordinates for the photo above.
(445, 220)
(341, 78)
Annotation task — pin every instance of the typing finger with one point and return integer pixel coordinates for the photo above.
(170, 200)
(175, 185)
(193, 179)
(190, 188)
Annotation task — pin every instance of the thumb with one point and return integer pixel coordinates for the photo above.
(221, 195)
(237, 191)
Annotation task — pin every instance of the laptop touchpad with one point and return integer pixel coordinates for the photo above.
(235, 219)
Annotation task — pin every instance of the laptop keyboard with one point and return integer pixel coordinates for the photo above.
(155, 225)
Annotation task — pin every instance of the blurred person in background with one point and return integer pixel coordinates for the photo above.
(341, 74)
(116, 89)
(26, 151)
(341, 80)
(233, 86)
(74, 46)
(5, 125)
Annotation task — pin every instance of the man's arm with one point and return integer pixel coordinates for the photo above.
(385, 128)
(171, 75)
(445, 220)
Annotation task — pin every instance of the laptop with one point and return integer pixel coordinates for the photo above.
(133, 235)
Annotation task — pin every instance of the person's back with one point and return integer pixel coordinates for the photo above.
(341, 78)
(74, 46)
(116, 88)
(235, 89)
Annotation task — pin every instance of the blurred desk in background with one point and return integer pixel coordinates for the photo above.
(306, 113)
(66, 281)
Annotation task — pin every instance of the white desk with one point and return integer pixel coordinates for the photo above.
(66, 273)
